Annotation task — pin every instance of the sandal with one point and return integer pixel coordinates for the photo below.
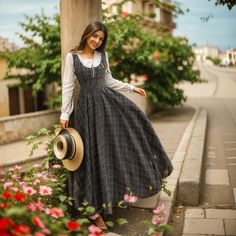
(98, 220)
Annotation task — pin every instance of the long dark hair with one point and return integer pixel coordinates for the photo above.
(89, 31)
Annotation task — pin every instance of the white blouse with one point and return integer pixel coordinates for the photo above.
(69, 78)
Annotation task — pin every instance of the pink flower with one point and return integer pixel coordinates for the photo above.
(22, 184)
(36, 166)
(45, 177)
(39, 234)
(2, 172)
(130, 198)
(14, 176)
(95, 231)
(160, 209)
(45, 190)
(31, 207)
(29, 190)
(7, 185)
(17, 168)
(156, 220)
(46, 231)
(55, 212)
(37, 206)
(38, 222)
(56, 166)
(14, 189)
(38, 175)
(36, 182)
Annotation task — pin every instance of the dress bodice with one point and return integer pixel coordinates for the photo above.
(90, 78)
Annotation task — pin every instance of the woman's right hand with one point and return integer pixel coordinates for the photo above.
(64, 123)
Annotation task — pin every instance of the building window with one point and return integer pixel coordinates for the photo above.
(14, 102)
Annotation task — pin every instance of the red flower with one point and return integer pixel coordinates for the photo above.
(3, 206)
(73, 225)
(19, 197)
(124, 14)
(21, 229)
(38, 222)
(3, 233)
(6, 195)
(5, 223)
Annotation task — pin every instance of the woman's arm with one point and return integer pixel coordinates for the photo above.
(68, 84)
(119, 85)
(114, 83)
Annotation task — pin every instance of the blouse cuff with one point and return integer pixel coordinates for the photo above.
(131, 88)
(64, 116)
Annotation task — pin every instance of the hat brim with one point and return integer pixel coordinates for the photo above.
(74, 164)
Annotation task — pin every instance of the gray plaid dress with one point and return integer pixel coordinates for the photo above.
(122, 151)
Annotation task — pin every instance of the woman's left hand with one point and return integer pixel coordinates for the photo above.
(139, 91)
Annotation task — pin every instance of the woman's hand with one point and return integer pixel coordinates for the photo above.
(64, 123)
(139, 91)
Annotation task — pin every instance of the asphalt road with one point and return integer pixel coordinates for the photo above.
(218, 97)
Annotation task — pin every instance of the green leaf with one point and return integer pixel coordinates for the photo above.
(83, 221)
(121, 221)
(90, 209)
(110, 223)
(16, 211)
(62, 198)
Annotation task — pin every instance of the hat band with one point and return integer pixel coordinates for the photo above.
(70, 144)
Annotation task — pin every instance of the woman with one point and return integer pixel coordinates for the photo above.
(122, 151)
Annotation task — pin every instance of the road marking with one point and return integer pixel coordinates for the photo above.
(231, 158)
(217, 177)
(229, 142)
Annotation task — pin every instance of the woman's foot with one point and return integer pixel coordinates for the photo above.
(100, 222)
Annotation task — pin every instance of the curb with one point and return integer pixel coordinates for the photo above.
(178, 161)
(190, 178)
(25, 163)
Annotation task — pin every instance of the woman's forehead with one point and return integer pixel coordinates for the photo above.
(100, 33)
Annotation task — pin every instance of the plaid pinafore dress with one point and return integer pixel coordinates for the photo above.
(122, 153)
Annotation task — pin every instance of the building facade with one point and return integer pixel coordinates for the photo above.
(161, 16)
(15, 100)
(206, 51)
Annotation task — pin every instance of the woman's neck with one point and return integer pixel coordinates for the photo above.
(87, 52)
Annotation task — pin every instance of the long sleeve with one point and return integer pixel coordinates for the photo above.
(116, 84)
(68, 84)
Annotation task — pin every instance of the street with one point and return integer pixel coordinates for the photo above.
(218, 97)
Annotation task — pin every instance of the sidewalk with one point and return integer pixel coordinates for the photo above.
(175, 129)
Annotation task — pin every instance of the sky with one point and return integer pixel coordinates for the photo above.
(219, 30)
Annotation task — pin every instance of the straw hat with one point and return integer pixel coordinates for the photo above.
(68, 147)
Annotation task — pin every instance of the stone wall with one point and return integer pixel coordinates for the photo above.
(13, 128)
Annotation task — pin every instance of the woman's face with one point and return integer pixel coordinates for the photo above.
(95, 40)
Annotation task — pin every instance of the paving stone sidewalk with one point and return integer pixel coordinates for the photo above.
(169, 124)
(205, 222)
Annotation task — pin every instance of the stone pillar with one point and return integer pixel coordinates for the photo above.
(75, 15)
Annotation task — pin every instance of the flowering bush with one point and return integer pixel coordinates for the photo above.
(33, 202)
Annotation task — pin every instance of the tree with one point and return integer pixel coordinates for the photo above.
(41, 55)
(131, 50)
(228, 3)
